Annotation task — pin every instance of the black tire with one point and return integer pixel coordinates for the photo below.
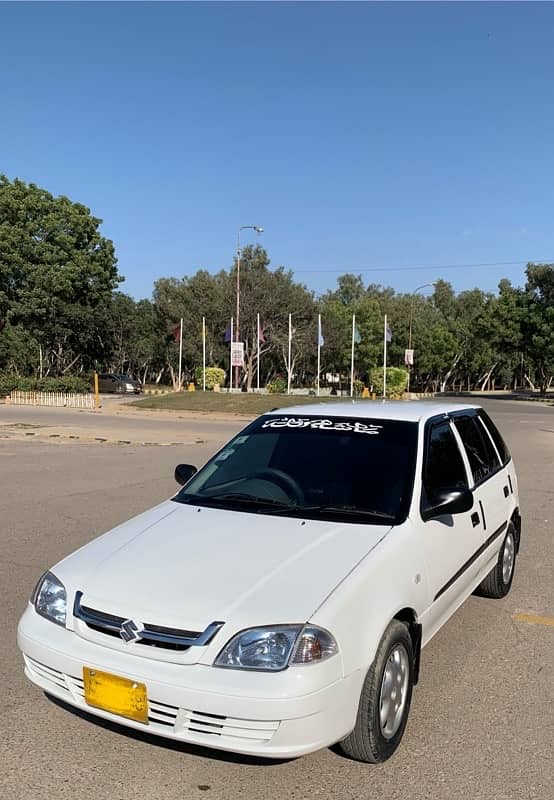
(498, 582)
(368, 742)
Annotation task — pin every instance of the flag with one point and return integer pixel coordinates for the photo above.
(357, 335)
(261, 337)
(227, 334)
(388, 334)
(176, 332)
(320, 339)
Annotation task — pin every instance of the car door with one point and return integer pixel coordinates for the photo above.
(490, 485)
(450, 541)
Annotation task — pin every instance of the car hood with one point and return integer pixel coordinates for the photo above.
(183, 566)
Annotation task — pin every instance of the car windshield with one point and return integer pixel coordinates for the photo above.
(124, 377)
(353, 469)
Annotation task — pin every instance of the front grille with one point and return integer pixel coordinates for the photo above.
(192, 726)
(232, 729)
(147, 634)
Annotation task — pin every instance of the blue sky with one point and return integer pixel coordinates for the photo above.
(377, 137)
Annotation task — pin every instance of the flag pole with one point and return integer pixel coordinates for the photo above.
(203, 354)
(290, 353)
(180, 352)
(318, 351)
(258, 369)
(231, 357)
(385, 360)
(352, 356)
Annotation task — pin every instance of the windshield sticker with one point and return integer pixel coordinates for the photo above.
(224, 455)
(322, 424)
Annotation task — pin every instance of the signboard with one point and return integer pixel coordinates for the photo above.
(409, 358)
(237, 354)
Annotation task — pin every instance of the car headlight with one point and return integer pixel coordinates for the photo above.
(275, 648)
(129, 387)
(50, 599)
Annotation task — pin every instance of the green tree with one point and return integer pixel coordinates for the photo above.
(538, 322)
(57, 273)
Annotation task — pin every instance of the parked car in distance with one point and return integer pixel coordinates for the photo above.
(119, 384)
(279, 602)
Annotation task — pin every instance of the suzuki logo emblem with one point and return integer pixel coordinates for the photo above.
(130, 631)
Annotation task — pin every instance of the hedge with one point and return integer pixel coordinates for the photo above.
(277, 386)
(10, 383)
(397, 380)
(213, 375)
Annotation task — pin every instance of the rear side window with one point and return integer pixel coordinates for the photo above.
(503, 451)
(479, 448)
(444, 467)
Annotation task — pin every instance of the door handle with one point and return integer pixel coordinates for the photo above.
(506, 491)
(475, 519)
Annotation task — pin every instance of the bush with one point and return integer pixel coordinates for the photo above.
(358, 388)
(278, 386)
(397, 380)
(11, 383)
(213, 375)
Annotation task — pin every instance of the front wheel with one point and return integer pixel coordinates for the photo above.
(385, 699)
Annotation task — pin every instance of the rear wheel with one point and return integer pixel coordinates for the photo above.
(498, 582)
(385, 699)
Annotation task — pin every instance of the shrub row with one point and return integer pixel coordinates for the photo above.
(11, 383)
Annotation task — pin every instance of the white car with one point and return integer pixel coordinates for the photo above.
(279, 602)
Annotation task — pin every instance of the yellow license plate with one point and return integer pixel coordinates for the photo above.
(118, 695)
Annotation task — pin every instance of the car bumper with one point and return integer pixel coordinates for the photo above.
(190, 703)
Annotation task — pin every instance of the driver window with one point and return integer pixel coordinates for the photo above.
(444, 467)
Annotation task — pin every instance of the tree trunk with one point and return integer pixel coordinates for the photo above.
(530, 382)
(446, 378)
(486, 378)
(174, 378)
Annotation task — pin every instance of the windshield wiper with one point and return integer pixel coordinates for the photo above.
(251, 499)
(351, 511)
(279, 507)
(238, 498)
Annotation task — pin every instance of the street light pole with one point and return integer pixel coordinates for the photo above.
(415, 291)
(237, 318)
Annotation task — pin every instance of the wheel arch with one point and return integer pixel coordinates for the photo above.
(409, 617)
(515, 519)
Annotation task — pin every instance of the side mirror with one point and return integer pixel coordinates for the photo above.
(448, 501)
(183, 473)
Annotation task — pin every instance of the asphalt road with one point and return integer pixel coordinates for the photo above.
(116, 422)
(482, 722)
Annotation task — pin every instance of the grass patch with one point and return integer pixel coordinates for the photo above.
(239, 403)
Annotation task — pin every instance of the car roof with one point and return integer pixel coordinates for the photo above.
(404, 410)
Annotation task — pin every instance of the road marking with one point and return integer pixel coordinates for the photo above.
(534, 619)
